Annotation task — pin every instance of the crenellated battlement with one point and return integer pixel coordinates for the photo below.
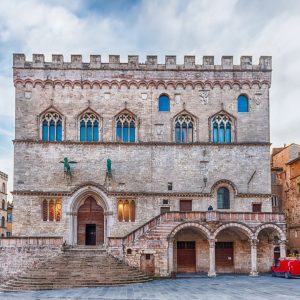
(133, 63)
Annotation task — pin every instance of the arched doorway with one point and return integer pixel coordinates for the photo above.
(233, 249)
(90, 223)
(190, 251)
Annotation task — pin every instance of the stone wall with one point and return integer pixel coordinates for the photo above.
(19, 254)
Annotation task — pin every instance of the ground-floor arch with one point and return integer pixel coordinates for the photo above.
(190, 248)
(233, 248)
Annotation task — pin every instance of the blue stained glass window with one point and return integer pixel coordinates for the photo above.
(119, 131)
(125, 132)
(45, 131)
(82, 131)
(89, 127)
(132, 132)
(215, 133)
(59, 131)
(177, 133)
(164, 103)
(96, 131)
(228, 133)
(89, 131)
(222, 133)
(52, 131)
(52, 127)
(126, 125)
(223, 198)
(184, 128)
(243, 104)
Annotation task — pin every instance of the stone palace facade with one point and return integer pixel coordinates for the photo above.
(166, 166)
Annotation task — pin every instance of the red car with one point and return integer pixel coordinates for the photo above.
(287, 267)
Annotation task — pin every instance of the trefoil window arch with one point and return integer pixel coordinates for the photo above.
(126, 127)
(184, 128)
(89, 127)
(52, 127)
(221, 129)
(223, 198)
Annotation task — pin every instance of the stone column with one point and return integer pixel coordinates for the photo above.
(171, 256)
(212, 258)
(253, 258)
(282, 248)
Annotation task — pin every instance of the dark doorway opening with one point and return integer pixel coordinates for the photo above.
(90, 234)
(185, 205)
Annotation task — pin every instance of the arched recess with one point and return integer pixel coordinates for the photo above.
(232, 248)
(269, 238)
(272, 227)
(77, 200)
(188, 248)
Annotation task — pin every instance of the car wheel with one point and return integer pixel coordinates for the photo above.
(287, 275)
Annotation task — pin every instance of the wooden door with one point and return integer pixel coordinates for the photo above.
(90, 213)
(147, 264)
(224, 254)
(186, 256)
(185, 205)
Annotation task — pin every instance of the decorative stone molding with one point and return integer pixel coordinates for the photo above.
(143, 84)
(196, 225)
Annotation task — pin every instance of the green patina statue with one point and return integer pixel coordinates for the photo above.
(67, 167)
(108, 167)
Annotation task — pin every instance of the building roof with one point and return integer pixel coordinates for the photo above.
(293, 161)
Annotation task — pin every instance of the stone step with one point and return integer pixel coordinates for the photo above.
(76, 267)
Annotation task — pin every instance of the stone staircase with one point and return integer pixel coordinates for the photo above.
(76, 267)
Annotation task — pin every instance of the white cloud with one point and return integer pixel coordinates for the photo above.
(162, 27)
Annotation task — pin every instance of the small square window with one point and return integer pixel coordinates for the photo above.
(170, 186)
(256, 207)
(148, 256)
(165, 201)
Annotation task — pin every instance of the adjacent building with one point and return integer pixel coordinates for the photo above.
(3, 199)
(286, 190)
(166, 166)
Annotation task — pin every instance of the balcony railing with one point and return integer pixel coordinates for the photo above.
(200, 216)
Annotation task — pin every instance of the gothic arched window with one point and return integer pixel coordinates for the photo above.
(3, 204)
(125, 127)
(3, 188)
(52, 127)
(163, 103)
(126, 210)
(243, 103)
(223, 198)
(221, 129)
(3, 222)
(184, 128)
(89, 127)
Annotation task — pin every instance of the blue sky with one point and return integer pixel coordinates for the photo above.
(161, 27)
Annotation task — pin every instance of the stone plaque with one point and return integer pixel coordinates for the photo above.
(203, 94)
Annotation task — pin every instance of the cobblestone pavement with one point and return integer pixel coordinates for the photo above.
(220, 288)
